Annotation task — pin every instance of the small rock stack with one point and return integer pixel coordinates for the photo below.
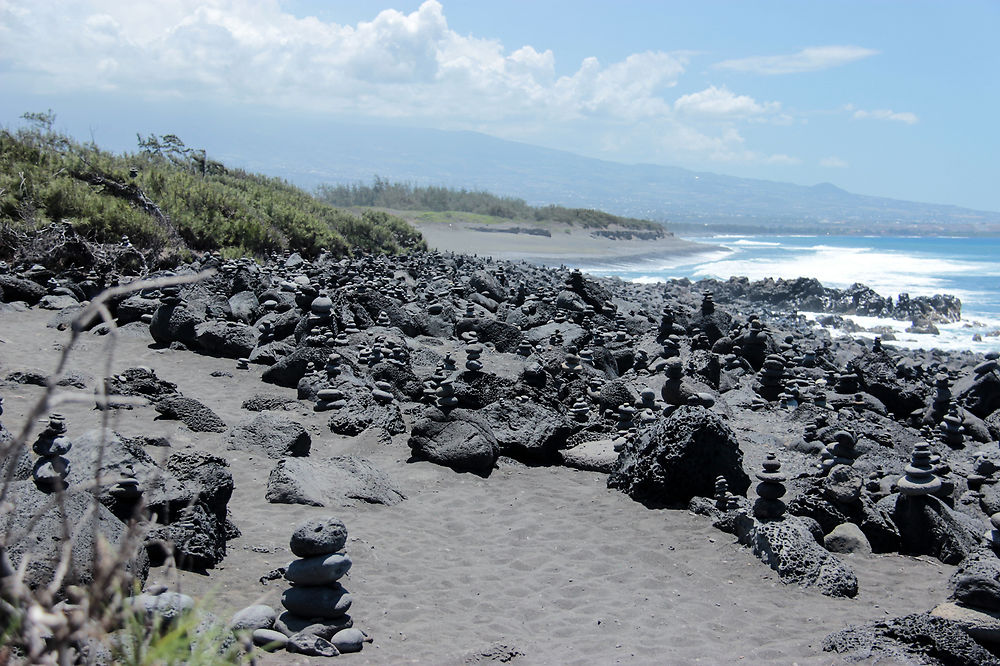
(52, 468)
(316, 620)
(770, 377)
(770, 490)
(919, 478)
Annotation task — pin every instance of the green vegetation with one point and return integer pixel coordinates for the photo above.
(405, 196)
(169, 197)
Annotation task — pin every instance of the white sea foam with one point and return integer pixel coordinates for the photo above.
(752, 243)
(955, 335)
(888, 273)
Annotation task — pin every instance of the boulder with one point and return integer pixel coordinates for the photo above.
(594, 456)
(289, 370)
(228, 339)
(917, 638)
(789, 547)
(527, 431)
(981, 625)
(679, 457)
(362, 412)
(274, 435)
(243, 306)
(43, 539)
(927, 526)
(461, 439)
(847, 539)
(191, 413)
(340, 481)
(976, 581)
(14, 288)
(175, 323)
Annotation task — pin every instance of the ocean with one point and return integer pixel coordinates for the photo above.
(965, 267)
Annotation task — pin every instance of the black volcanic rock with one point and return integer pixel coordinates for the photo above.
(461, 440)
(679, 458)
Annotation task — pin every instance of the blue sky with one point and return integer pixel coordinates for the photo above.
(886, 98)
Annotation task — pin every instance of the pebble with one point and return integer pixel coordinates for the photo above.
(349, 640)
(269, 639)
(318, 570)
(320, 536)
(317, 602)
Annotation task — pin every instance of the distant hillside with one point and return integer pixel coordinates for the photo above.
(338, 154)
(171, 198)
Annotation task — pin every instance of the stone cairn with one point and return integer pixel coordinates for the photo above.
(919, 477)
(472, 354)
(52, 445)
(571, 366)
(771, 376)
(951, 431)
(770, 490)
(707, 304)
(580, 411)
(840, 452)
(317, 603)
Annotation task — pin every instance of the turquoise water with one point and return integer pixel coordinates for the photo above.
(966, 267)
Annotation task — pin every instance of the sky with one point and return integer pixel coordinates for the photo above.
(882, 97)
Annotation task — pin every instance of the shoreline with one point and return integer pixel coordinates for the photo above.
(566, 245)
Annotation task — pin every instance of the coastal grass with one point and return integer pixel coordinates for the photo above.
(168, 197)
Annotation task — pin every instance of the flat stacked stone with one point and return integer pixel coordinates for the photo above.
(316, 619)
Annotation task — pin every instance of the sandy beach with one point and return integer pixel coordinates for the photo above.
(566, 245)
(543, 562)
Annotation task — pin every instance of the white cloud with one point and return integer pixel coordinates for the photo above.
(397, 65)
(721, 102)
(887, 114)
(833, 162)
(808, 59)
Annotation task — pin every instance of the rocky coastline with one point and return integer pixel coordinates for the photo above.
(807, 452)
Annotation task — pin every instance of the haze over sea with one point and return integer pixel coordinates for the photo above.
(966, 267)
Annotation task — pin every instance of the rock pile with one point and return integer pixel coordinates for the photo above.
(316, 620)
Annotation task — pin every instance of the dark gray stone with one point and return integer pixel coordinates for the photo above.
(330, 482)
(461, 440)
(251, 618)
(527, 431)
(311, 646)
(976, 582)
(789, 547)
(325, 602)
(43, 539)
(319, 536)
(918, 638)
(192, 413)
(318, 570)
(678, 458)
(927, 526)
(274, 435)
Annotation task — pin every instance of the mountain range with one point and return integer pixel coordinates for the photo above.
(686, 200)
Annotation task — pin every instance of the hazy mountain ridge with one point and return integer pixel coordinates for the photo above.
(345, 153)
